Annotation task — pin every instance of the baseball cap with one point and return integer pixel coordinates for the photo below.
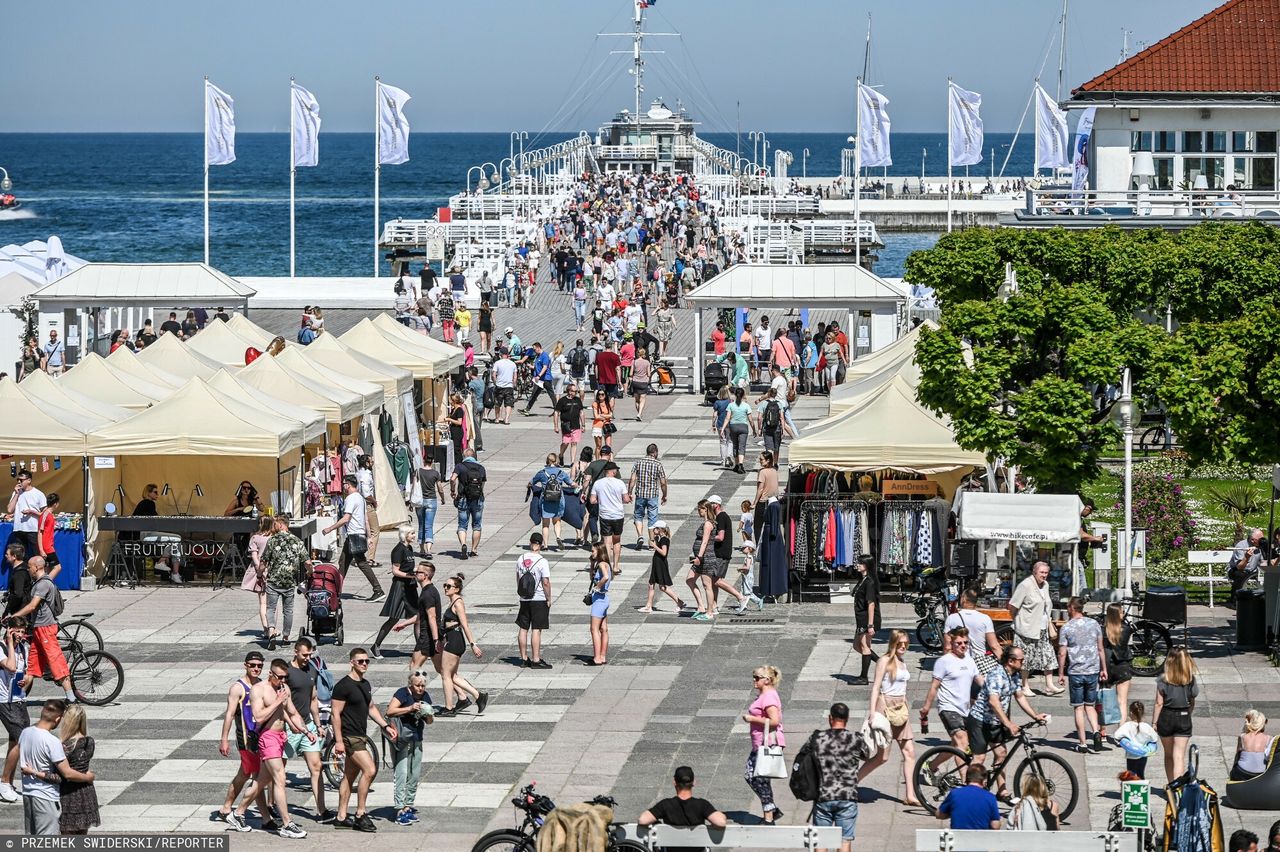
(658, 525)
(254, 656)
(715, 498)
(606, 450)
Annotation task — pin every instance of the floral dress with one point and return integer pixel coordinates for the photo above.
(79, 799)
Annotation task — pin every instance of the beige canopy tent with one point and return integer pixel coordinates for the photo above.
(94, 378)
(891, 429)
(249, 330)
(218, 341)
(313, 423)
(438, 348)
(333, 354)
(42, 388)
(173, 356)
(338, 405)
(854, 394)
(293, 361)
(127, 365)
(368, 339)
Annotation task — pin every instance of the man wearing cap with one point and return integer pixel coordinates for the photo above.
(514, 344)
(535, 610)
(541, 378)
(609, 494)
(504, 386)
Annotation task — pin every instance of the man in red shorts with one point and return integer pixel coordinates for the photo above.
(46, 653)
(240, 713)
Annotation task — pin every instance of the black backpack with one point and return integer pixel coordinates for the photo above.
(553, 489)
(806, 772)
(772, 417)
(526, 584)
(473, 482)
(578, 361)
(489, 399)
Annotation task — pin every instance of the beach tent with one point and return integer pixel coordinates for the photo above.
(33, 428)
(31, 260)
(94, 378)
(219, 342)
(176, 358)
(292, 360)
(394, 330)
(43, 389)
(327, 350)
(866, 374)
(368, 339)
(249, 330)
(338, 405)
(313, 424)
(127, 365)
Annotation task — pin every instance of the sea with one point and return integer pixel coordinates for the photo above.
(137, 197)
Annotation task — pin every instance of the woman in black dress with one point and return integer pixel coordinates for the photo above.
(660, 568)
(79, 799)
(456, 419)
(486, 327)
(404, 589)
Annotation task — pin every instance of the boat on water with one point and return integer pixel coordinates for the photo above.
(9, 201)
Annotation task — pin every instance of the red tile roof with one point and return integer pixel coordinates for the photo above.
(1233, 49)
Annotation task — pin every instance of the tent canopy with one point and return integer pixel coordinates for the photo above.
(338, 405)
(31, 428)
(368, 339)
(813, 285)
(250, 330)
(295, 363)
(173, 356)
(334, 354)
(147, 284)
(14, 287)
(43, 389)
(219, 342)
(30, 260)
(436, 348)
(198, 421)
(94, 378)
(1018, 517)
(127, 365)
(312, 421)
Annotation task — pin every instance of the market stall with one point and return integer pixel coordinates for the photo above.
(1015, 530)
(42, 388)
(93, 377)
(219, 342)
(333, 355)
(173, 356)
(128, 366)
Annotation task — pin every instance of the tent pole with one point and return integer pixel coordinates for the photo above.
(696, 361)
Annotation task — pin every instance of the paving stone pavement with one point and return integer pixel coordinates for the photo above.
(672, 694)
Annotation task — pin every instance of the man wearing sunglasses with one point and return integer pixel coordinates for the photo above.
(240, 713)
(352, 707)
(272, 708)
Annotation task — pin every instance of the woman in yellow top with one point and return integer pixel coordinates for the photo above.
(462, 319)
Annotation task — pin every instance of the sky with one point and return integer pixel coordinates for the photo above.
(498, 65)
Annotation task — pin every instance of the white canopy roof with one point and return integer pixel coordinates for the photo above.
(126, 363)
(368, 339)
(292, 359)
(331, 353)
(30, 260)
(176, 358)
(1018, 517)
(312, 421)
(43, 389)
(337, 404)
(198, 421)
(250, 330)
(93, 378)
(219, 342)
(813, 285)
(437, 348)
(14, 287)
(31, 428)
(150, 284)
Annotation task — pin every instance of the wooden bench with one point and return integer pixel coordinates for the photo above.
(807, 837)
(946, 840)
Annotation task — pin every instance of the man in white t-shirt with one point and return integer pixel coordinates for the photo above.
(609, 493)
(25, 504)
(535, 610)
(763, 339)
(504, 387)
(356, 547)
(953, 676)
(41, 752)
(983, 645)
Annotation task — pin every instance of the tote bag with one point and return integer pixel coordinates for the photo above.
(770, 762)
(1109, 703)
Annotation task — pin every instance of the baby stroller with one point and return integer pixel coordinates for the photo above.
(714, 377)
(324, 602)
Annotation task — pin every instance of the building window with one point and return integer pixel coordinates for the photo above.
(1210, 167)
(1254, 173)
(1164, 173)
(1204, 141)
(1140, 140)
(1166, 141)
(1193, 142)
(1244, 141)
(1266, 142)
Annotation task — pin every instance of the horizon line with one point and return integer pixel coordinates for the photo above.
(430, 132)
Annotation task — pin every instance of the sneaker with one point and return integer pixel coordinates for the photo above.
(272, 642)
(405, 818)
(475, 554)
(378, 595)
(701, 616)
(376, 653)
(647, 610)
(1097, 741)
(175, 578)
(482, 702)
(858, 681)
(540, 664)
(232, 819)
(1081, 748)
(327, 816)
(639, 544)
(927, 775)
(364, 822)
(740, 608)
(463, 704)
(447, 712)
(271, 826)
(292, 830)
(345, 822)
(463, 555)
(10, 795)
(759, 604)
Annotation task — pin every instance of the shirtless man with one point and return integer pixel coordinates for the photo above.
(240, 714)
(272, 708)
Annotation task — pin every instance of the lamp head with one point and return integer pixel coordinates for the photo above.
(165, 491)
(199, 490)
(6, 184)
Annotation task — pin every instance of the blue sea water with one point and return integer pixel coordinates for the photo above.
(138, 197)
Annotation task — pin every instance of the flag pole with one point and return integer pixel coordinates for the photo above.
(206, 170)
(949, 132)
(293, 173)
(377, 174)
(857, 169)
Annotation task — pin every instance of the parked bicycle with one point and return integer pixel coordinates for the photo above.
(97, 677)
(1150, 640)
(932, 602)
(75, 633)
(932, 785)
(664, 377)
(333, 764)
(535, 808)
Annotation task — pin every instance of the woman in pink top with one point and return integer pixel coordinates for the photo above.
(627, 355)
(766, 708)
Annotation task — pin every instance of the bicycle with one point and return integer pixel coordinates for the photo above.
(524, 381)
(933, 785)
(97, 677)
(931, 602)
(333, 764)
(1149, 640)
(664, 377)
(536, 807)
(78, 634)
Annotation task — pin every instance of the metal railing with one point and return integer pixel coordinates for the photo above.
(420, 232)
(1188, 203)
(644, 152)
(773, 205)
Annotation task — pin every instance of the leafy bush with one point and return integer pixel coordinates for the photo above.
(1160, 508)
(1173, 571)
(1176, 463)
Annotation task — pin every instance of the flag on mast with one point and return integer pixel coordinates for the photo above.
(965, 141)
(1052, 151)
(393, 127)
(1080, 163)
(873, 130)
(220, 126)
(306, 127)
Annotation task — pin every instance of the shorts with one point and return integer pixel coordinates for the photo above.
(984, 736)
(597, 431)
(647, 510)
(271, 744)
(1084, 690)
(355, 743)
(504, 397)
(1174, 723)
(299, 744)
(51, 560)
(15, 717)
(1119, 673)
(841, 813)
(599, 604)
(533, 615)
(425, 644)
(552, 511)
(611, 526)
(46, 653)
(470, 512)
(574, 437)
(639, 388)
(952, 721)
(250, 763)
(455, 643)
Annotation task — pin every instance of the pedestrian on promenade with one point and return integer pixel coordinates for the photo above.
(425, 620)
(274, 714)
(25, 505)
(409, 711)
(840, 753)
(549, 486)
(301, 679)
(601, 578)
(608, 369)
(13, 700)
(719, 418)
(1242, 840)
(504, 385)
(352, 707)
(1033, 629)
(533, 587)
(79, 799)
(832, 360)
(1139, 741)
(485, 326)
(609, 495)
(602, 425)
(766, 709)
(240, 713)
(990, 721)
(660, 567)
(866, 615)
(44, 768)
(466, 487)
(399, 604)
(889, 698)
(684, 809)
(432, 486)
(589, 471)
(287, 561)
(648, 489)
(567, 420)
(745, 582)
(1117, 639)
(1036, 811)
(769, 421)
(983, 644)
(1081, 656)
(364, 478)
(953, 676)
(456, 639)
(716, 566)
(971, 807)
(542, 378)
(255, 575)
(1176, 691)
(456, 419)
(46, 653)
(737, 427)
(641, 377)
(356, 546)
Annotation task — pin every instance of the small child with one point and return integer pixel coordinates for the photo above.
(746, 523)
(747, 578)
(660, 569)
(1139, 742)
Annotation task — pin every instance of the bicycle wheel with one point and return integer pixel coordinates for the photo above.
(1057, 774)
(1150, 643)
(933, 785)
(333, 764)
(627, 846)
(77, 635)
(96, 678)
(506, 840)
(929, 633)
(1005, 636)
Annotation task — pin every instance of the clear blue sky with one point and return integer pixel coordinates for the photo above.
(88, 65)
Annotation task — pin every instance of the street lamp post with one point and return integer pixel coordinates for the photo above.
(1126, 419)
(5, 183)
(469, 171)
(804, 163)
(924, 155)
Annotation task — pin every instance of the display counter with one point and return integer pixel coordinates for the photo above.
(68, 544)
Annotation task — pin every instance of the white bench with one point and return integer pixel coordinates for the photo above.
(946, 840)
(807, 837)
(1210, 558)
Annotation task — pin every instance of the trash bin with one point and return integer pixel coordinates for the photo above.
(1251, 619)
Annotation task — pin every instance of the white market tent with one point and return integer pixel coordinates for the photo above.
(249, 330)
(34, 428)
(14, 287)
(218, 342)
(93, 378)
(338, 405)
(1053, 518)
(367, 338)
(127, 365)
(394, 330)
(173, 356)
(334, 354)
(312, 421)
(293, 361)
(31, 260)
(42, 388)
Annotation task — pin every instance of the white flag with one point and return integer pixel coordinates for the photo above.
(305, 126)
(393, 127)
(873, 131)
(1051, 133)
(220, 126)
(965, 126)
(1080, 162)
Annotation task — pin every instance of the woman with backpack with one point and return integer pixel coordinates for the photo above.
(548, 486)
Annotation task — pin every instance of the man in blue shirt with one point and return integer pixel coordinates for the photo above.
(541, 378)
(475, 384)
(972, 807)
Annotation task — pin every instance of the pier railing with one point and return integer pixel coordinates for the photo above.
(777, 205)
(420, 232)
(1177, 203)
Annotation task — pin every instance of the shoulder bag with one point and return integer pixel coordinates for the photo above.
(770, 761)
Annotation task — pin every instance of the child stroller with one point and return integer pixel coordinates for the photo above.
(324, 602)
(714, 377)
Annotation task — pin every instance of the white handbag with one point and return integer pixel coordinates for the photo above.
(770, 762)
